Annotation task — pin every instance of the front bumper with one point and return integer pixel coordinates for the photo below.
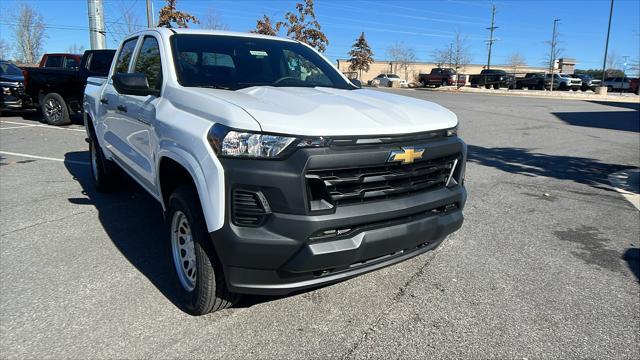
(281, 255)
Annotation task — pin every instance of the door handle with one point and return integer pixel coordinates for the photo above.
(104, 101)
(122, 108)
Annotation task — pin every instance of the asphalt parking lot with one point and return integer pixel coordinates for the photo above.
(546, 265)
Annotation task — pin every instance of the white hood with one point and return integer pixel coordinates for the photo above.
(334, 112)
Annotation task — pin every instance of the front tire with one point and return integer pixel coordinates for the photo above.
(198, 273)
(54, 110)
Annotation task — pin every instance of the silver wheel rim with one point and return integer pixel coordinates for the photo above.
(94, 162)
(53, 110)
(183, 249)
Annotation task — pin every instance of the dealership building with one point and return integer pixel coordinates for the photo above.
(563, 65)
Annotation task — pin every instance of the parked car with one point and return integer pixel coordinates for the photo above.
(58, 92)
(563, 82)
(11, 86)
(385, 80)
(492, 78)
(531, 81)
(634, 86)
(617, 83)
(273, 178)
(61, 60)
(588, 83)
(442, 77)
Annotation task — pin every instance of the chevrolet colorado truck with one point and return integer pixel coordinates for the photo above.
(58, 92)
(275, 173)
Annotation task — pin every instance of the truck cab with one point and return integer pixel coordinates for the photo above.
(275, 172)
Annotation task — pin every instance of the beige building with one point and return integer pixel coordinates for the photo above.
(411, 72)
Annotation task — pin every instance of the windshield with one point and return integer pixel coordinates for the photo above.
(234, 62)
(9, 69)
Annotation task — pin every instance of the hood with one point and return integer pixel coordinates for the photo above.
(337, 112)
(12, 78)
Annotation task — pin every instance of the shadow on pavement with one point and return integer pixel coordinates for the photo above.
(524, 162)
(632, 257)
(132, 219)
(134, 222)
(625, 105)
(34, 115)
(614, 120)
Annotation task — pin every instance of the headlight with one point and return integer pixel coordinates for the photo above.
(5, 90)
(452, 131)
(227, 142)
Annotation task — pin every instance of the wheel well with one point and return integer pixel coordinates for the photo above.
(172, 175)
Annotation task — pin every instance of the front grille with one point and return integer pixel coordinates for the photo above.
(362, 184)
(249, 208)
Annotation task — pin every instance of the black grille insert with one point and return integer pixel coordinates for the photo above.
(250, 208)
(362, 184)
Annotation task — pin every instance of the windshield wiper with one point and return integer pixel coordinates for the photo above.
(215, 87)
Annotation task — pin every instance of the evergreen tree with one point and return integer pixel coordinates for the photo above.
(361, 56)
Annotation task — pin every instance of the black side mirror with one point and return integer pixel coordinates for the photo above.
(133, 84)
(356, 82)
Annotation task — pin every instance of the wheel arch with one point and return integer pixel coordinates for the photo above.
(176, 167)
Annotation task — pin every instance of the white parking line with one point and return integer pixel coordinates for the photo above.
(38, 125)
(44, 158)
(17, 127)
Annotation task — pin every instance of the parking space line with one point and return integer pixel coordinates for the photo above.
(44, 158)
(40, 125)
(17, 127)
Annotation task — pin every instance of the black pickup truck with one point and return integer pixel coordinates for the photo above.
(491, 77)
(531, 81)
(58, 92)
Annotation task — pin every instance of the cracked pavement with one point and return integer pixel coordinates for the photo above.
(547, 264)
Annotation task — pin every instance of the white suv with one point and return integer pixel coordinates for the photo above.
(274, 171)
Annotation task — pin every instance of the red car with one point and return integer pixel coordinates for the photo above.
(634, 86)
(60, 60)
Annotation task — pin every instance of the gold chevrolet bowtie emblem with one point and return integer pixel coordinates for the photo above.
(407, 155)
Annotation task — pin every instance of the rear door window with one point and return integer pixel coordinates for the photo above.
(125, 55)
(54, 61)
(70, 63)
(100, 62)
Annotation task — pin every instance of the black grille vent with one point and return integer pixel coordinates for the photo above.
(250, 208)
(362, 184)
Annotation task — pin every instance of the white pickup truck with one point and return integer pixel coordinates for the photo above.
(275, 172)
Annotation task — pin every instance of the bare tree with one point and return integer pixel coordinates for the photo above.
(5, 49)
(170, 17)
(265, 26)
(402, 58)
(516, 60)
(75, 49)
(29, 34)
(213, 21)
(613, 61)
(126, 21)
(459, 52)
(442, 57)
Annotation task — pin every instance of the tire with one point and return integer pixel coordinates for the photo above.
(203, 290)
(609, 88)
(496, 86)
(444, 83)
(104, 172)
(637, 90)
(54, 110)
(487, 86)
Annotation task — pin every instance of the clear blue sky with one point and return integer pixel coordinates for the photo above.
(524, 26)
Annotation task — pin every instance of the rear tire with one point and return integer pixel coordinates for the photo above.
(104, 172)
(496, 86)
(198, 274)
(487, 86)
(54, 110)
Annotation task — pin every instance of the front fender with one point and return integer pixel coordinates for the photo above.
(208, 179)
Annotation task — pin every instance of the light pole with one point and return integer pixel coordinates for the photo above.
(606, 45)
(552, 57)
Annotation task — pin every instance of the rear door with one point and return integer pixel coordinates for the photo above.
(139, 113)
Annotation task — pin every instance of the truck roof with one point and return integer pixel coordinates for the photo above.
(170, 31)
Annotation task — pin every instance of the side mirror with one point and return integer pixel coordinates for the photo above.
(133, 84)
(356, 82)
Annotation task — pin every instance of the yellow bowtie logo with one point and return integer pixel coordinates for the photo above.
(407, 155)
